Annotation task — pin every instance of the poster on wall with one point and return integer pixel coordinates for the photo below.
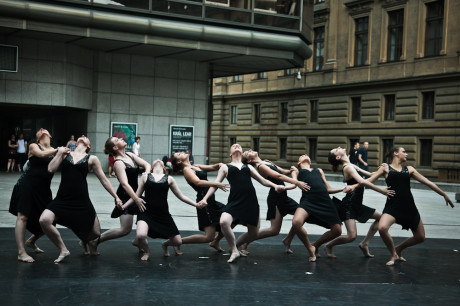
(125, 130)
(181, 138)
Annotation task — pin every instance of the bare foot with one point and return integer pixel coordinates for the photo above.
(61, 256)
(328, 251)
(399, 252)
(365, 249)
(165, 250)
(84, 247)
(311, 252)
(135, 243)
(244, 253)
(287, 245)
(177, 250)
(392, 260)
(215, 245)
(33, 246)
(317, 254)
(92, 245)
(145, 257)
(25, 258)
(233, 257)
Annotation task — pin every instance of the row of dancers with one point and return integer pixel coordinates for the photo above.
(35, 209)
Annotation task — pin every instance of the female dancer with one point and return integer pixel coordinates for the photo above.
(242, 206)
(209, 216)
(315, 206)
(279, 204)
(401, 208)
(12, 147)
(156, 221)
(126, 166)
(31, 194)
(72, 207)
(351, 207)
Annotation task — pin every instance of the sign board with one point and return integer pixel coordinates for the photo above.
(127, 131)
(180, 138)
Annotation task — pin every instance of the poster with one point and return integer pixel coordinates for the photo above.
(181, 138)
(127, 131)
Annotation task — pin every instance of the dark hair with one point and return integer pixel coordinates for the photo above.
(176, 167)
(355, 143)
(137, 138)
(332, 158)
(244, 159)
(108, 147)
(392, 152)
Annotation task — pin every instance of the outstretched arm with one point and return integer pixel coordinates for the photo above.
(209, 168)
(57, 159)
(359, 170)
(34, 150)
(140, 162)
(192, 178)
(419, 177)
(175, 189)
(263, 181)
(95, 165)
(120, 171)
(328, 187)
(223, 171)
(267, 172)
(362, 182)
(140, 190)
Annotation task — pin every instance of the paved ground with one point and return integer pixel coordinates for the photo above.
(440, 221)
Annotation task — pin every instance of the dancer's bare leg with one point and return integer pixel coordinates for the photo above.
(126, 225)
(94, 237)
(32, 243)
(216, 242)
(19, 233)
(334, 232)
(46, 221)
(419, 237)
(386, 221)
(174, 241)
(208, 237)
(297, 224)
(226, 221)
(142, 230)
(350, 225)
(364, 245)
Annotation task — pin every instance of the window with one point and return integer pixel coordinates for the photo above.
(318, 53)
(234, 114)
(395, 35)
(262, 75)
(361, 40)
(288, 71)
(428, 105)
(312, 148)
(387, 145)
(356, 109)
(284, 112)
(433, 32)
(256, 113)
(256, 144)
(232, 141)
(389, 113)
(283, 148)
(319, 1)
(313, 110)
(237, 78)
(426, 152)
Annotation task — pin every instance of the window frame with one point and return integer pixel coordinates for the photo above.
(421, 159)
(386, 102)
(353, 112)
(386, 149)
(364, 58)
(233, 114)
(399, 28)
(424, 107)
(283, 148)
(318, 61)
(313, 149)
(284, 118)
(438, 22)
(257, 113)
(314, 111)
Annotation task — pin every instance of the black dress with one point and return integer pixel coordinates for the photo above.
(316, 201)
(32, 192)
(157, 216)
(132, 175)
(242, 200)
(351, 206)
(401, 206)
(209, 215)
(72, 206)
(285, 204)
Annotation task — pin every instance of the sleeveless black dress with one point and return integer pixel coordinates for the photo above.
(242, 200)
(32, 192)
(285, 204)
(316, 201)
(401, 206)
(157, 216)
(351, 206)
(209, 215)
(72, 206)
(132, 175)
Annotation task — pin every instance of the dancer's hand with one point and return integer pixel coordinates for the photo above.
(388, 192)
(279, 188)
(202, 204)
(63, 150)
(119, 203)
(222, 186)
(294, 169)
(448, 201)
(141, 204)
(349, 188)
(302, 185)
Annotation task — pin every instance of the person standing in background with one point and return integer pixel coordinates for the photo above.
(71, 144)
(353, 153)
(21, 156)
(137, 147)
(362, 156)
(12, 147)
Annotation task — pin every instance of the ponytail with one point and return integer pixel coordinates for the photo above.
(392, 151)
(332, 158)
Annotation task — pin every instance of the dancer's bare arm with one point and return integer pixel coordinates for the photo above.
(192, 178)
(139, 191)
(223, 171)
(419, 177)
(95, 165)
(351, 171)
(120, 171)
(57, 159)
(265, 182)
(141, 162)
(328, 187)
(265, 171)
(175, 189)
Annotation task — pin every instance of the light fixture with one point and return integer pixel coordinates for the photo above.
(299, 76)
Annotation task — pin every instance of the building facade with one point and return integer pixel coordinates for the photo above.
(82, 65)
(382, 71)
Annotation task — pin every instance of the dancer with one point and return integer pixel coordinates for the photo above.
(351, 207)
(156, 221)
(242, 207)
(209, 216)
(126, 166)
(72, 206)
(401, 208)
(279, 204)
(31, 194)
(315, 206)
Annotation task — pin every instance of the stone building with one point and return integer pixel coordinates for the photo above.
(82, 65)
(382, 71)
